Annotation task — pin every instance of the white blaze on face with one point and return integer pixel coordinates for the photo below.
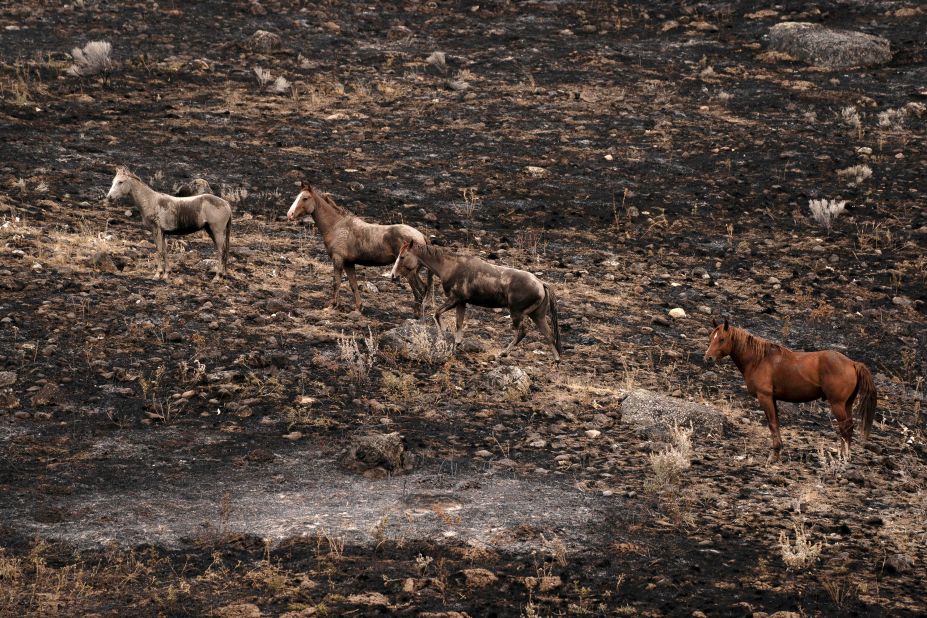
(292, 210)
(396, 265)
(112, 190)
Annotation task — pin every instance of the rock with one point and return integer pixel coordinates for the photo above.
(263, 41)
(369, 598)
(901, 301)
(655, 415)
(377, 452)
(483, 453)
(829, 48)
(47, 395)
(478, 578)
(237, 610)
(420, 341)
(8, 400)
(543, 584)
(508, 380)
(293, 435)
(103, 262)
(898, 563)
(197, 186)
(677, 313)
(593, 433)
(437, 61)
(7, 378)
(659, 320)
(537, 172)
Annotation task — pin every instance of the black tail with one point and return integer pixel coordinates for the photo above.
(867, 398)
(225, 249)
(554, 323)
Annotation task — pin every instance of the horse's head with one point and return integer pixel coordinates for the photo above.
(122, 184)
(720, 342)
(304, 204)
(405, 251)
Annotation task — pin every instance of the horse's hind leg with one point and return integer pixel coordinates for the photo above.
(458, 333)
(844, 426)
(352, 280)
(217, 241)
(772, 417)
(161, 244)
(540, 318)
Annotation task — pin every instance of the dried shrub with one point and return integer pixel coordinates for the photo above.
(802, 553)
(855, 174)
(669, 464)
(94, 58)
(359, 361)
(825, 211)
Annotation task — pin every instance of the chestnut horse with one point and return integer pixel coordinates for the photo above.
(350, 241)
(775, 373)
(468, 279)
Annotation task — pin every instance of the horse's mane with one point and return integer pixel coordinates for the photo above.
(122, 169)
(326, 198)
(432, 251)
(755, 344)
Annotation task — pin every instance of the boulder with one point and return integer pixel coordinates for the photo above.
(508, 380)
(197, 186)
(655, 415)
(420, 341)
(377, 455)
(829, 48)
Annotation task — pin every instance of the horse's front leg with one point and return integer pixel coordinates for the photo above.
(161, 247)
(336, 282)
(772, 417)
(352, 280)
(450, 303)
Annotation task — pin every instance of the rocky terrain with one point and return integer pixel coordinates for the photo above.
(234, 449)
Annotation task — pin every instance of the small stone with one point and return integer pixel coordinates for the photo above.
(704, 309)
(593, 433)
(901, 301)
(659, 320)
(7, 378)
(677, 313)
(482, 453)
(22, 415)
(188, 394)
(293, 435)
(478, 578)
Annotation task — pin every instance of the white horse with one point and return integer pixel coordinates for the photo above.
(166, 215)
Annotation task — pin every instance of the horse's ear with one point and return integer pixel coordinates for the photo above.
(714, 323)
(306, 187)
(726, 327)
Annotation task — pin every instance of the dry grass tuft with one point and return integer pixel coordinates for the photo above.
(94, 58)
(359, 361)
(669, 464)
(855, 174)
(802, 553)
(826, 211)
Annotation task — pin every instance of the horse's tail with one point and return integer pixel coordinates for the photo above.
(228, 236)
(866, 392)
(554, 322)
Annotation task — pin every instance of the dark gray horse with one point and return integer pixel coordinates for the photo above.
(468, 279)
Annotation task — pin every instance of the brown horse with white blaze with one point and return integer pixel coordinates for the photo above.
(468, 279)
(351, 241)
(775, 373)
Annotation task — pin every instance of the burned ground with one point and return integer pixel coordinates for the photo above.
(172, 447)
